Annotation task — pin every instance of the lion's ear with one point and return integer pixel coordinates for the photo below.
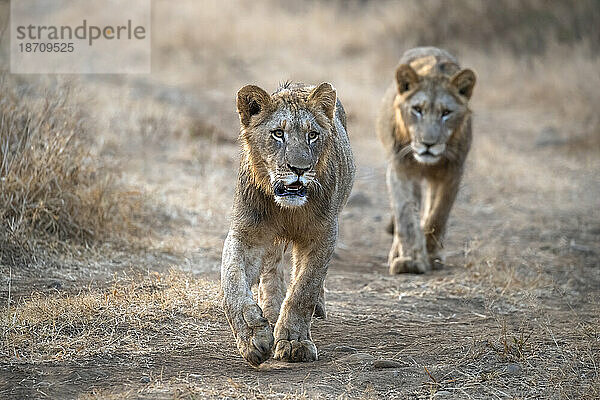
(464, 81)
(251, 100)
(406, 78)
(324, 97)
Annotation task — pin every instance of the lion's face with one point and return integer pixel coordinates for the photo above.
(291, 143)
(432, 109)
(431, 116)
(286, 135)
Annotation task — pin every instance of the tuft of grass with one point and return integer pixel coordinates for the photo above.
(52, 187)
(513, 346)
(129, 316)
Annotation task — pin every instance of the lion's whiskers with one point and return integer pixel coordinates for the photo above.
(318, 185)
(406, 150)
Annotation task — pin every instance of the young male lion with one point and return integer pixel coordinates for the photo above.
(425, 126)
(295, 176)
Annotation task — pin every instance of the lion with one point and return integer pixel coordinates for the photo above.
(424, 125)
(295, 176)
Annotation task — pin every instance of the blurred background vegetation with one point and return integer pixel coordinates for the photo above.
(527, 27)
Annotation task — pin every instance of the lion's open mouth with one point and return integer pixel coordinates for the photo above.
(427, 158)
(293, 189)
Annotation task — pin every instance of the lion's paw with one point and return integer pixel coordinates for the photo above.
(296, 351)
(255, 337)
(403, 265)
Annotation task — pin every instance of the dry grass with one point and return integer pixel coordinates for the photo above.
(130, 317)
(53, 188)
(192, 388)
(495, 342)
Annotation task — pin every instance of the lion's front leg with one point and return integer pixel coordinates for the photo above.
(408, 252)
(441, 197)
(239, 270)
(293, 340)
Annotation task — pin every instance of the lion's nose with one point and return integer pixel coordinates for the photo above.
(428, 143)
(298, 170)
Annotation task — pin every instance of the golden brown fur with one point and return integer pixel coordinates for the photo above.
(425, 127)
(298, 134)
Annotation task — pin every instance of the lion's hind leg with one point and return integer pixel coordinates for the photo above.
(442, 196)
(293, 341)
(272, 284)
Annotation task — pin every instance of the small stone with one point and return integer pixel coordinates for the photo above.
(386, 364)
(345, 349)
(145, 379)
(513, 369)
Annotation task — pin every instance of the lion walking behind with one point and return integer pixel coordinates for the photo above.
(425, 126)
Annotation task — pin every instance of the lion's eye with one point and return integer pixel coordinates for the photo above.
(277, 134)
(446, 112)
(417, 110)
(312, 136)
